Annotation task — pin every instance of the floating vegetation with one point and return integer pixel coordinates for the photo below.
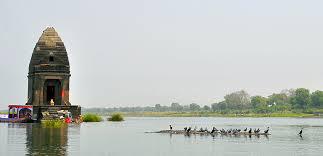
(53, 123)
(116, 117)
(91, 118)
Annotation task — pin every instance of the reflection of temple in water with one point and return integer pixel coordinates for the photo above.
(46, 141)
(33, 139)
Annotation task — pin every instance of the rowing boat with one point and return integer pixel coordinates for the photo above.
(207, 133)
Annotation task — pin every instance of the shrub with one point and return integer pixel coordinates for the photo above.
(116, 117)
(53, 123)
(91, 118)
(262, 109)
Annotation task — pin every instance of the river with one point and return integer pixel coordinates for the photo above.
(128, 138)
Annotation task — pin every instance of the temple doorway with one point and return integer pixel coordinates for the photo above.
(52, 92)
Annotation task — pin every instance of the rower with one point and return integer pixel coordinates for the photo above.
(213, 130)
(170, 127)
(185, 129)
(267, 130)
(245, 129)
(300, 132)
(250, 130)
(189, 129)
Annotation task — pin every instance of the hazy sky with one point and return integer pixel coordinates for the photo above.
(144, 52)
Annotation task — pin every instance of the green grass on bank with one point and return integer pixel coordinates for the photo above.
(301, 113)
(216, 114)
(90, 117)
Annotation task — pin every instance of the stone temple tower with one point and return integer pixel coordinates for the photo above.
(49, 73)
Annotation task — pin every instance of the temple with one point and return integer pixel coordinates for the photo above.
(49, 77)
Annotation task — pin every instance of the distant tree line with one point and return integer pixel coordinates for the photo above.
(300, 99)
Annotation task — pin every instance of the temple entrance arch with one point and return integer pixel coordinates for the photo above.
(52, 91)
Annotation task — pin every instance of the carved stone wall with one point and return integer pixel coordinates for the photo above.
(49, 77)
(49, 62)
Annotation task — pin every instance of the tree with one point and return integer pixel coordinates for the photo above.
(237, 100)
(176, 107)
(317, 99)
(214, 106)
(219, 106)
(278, 99)
(158, 107)
(301, 99)
(258, 101)
(194, 107)
(222, 105)
(288, 92)
(262, 109)
(206, 108)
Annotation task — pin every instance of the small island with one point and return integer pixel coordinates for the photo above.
(116, 117)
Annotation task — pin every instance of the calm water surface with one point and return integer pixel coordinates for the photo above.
(128, 138)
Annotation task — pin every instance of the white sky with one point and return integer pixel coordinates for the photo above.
(144, 52)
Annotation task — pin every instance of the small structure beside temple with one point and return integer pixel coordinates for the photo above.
(49, 78)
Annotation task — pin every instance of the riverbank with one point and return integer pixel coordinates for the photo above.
(215, 114)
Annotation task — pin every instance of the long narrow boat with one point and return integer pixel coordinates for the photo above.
(207, 133)
(18, 114)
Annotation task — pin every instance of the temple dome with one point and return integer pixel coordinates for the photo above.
(49, 54)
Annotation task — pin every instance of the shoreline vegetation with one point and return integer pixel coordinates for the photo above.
(298, 102)
(215, 114)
